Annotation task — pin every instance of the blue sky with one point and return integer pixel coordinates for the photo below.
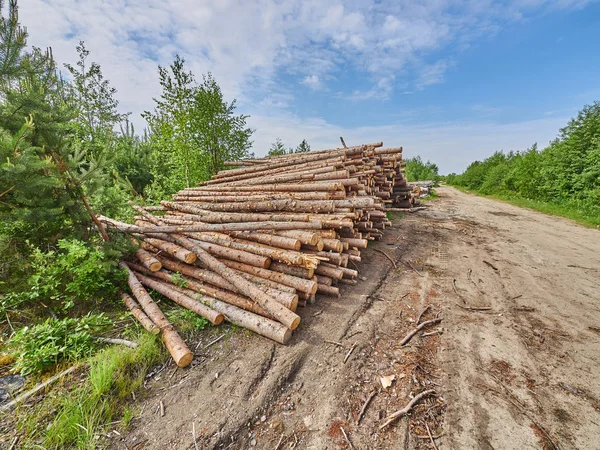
(449, 80)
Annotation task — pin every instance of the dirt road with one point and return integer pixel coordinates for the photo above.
(514, 362)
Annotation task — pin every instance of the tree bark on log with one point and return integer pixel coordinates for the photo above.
(172, 293)
(245, 226)
(300, 284)
(201, 288)
(249, 289)
(148, 260)
(246, 319)
(296, 271)
(136, 311)
(175, 345)
(172, 249)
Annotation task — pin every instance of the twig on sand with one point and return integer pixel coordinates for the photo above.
(364, 407)
(423, 312)
(194, 434)
(14, 443)
(347, 440)
(21, 398)
(279, 443)
(411, 334)
(162, 409)
(431, 437)
(412, 267)
(432, 333)
(490, 265)
(402, 412)
(215, 341)
(350, 352)
(474, 308)
(339, 344)
(387, 256)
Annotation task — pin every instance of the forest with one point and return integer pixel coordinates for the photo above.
(563, 178)
(67, 154)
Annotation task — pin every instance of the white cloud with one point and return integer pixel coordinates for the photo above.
(452, 145)
(247, 45)
(313, 82)
(432, 74)
(253, 48)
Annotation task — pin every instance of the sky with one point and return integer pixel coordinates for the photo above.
(451, 81)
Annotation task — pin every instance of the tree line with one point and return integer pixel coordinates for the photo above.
(565, 174)
(67, 153)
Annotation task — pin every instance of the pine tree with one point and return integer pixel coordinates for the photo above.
(277, 148)
(303, 147)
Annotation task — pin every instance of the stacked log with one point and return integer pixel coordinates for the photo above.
(257, 241)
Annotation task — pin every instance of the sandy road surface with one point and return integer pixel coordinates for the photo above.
(525, 374)
(516, 365)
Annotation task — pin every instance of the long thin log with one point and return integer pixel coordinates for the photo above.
(175, 345)
(245, 319)
(284, 315)
(148, 260)
(301, 284)
(190, 283)
(217, 280)
(137, 312)
(269, 239)
(245, 226)
(21, 398)
(296, 271)
(189, 303)
(172, 249)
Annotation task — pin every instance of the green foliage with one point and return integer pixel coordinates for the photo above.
(179, 280)
(418, 170)
(44, 345)
(76, 271)
(566, 174)
(193, 129)
(277, 148)
(303, 147)
(94, 100)
(81, 413)
(186, 320)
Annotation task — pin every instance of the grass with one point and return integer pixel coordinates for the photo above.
(432, 196)
(583, 216)
(76, 417)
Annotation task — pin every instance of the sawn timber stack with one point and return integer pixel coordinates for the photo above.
(255, 242)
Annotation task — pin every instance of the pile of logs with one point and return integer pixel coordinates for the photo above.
(255, 242)
(421, 188)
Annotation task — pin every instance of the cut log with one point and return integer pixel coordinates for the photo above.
(245, 319)
(301, 284)
(137, 312)
(170, 292)
(176, 346)
(148, 260)
(172, 249)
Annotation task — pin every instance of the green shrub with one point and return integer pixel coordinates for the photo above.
(42, 346)
(77, 271)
